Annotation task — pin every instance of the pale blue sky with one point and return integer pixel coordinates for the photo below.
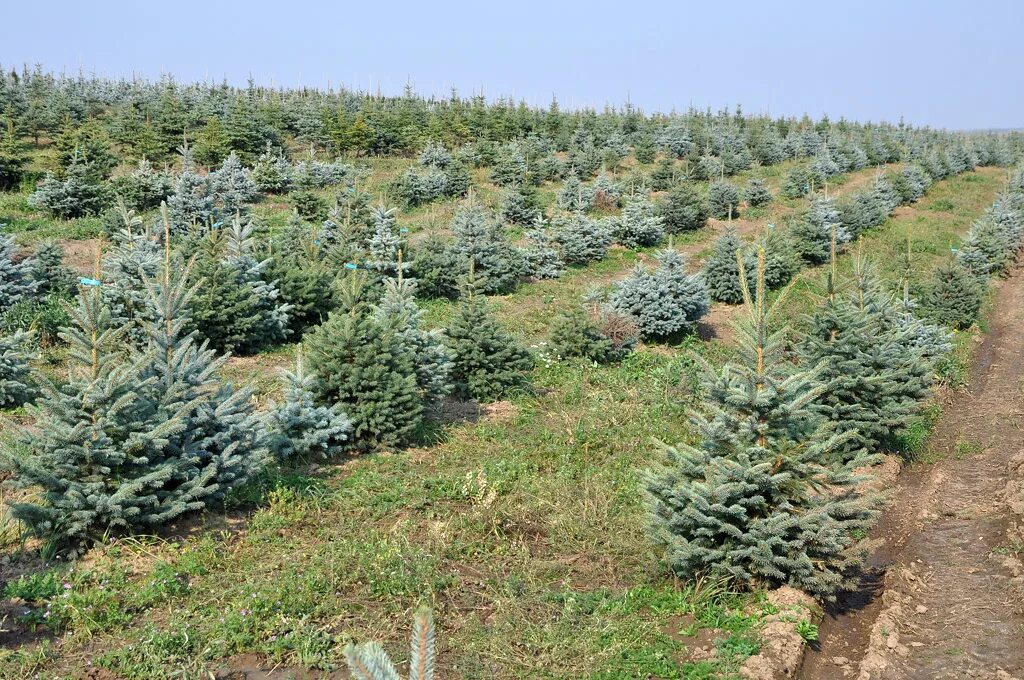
(947, 63)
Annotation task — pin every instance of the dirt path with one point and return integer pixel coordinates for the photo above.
(944, 597)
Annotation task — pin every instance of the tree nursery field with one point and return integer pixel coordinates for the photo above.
(325, 384)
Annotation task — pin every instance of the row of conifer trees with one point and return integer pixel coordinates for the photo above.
(145, 430)
(773, 491)
(375, 371)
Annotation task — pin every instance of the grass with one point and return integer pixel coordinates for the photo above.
(530, 548)
(523, 529)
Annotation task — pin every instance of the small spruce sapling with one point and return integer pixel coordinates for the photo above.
(134, 256)
(50, 273)
(385, 245)
(132, 443)
(363, 366)
(665, 175)
(232, 185)
(482, 239)
(16, 280)
(580, 239)
(77, 193)
(812, 233)
(756, 193)
(723, 200)
(593, 333)
(192, 202)
(272, 173)
(17, 385)
(798, 182)
(663, 302)
(781, 260)
(875, 375)
(488, 362)
(301, 429)
(953, 297)
(369, 661)
(639, 225)
(398, 310)
(722, 271)
(684, 209)
(519, 205)
(542, 257)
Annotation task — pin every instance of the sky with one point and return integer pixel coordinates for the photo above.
(945, 63)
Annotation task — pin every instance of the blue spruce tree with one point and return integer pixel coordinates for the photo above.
(665, 301)
(754, 500)
(301, 429)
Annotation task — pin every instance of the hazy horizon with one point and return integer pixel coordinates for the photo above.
(941, 66)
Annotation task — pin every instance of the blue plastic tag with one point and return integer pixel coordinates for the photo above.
(350, 265)
(403, 231)
(88, 282)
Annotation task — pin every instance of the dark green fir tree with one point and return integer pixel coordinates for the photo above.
(954, 296)
(602, 336)
(684, 209)
(363, 366)
(874, 373)
(488, 362)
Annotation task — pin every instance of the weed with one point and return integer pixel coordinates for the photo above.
(807, 630)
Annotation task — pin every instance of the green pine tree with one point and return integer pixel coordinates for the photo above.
(602, 336)
(684, 209)
(212, 144)
(363, 365)
(225, 311)
(954, 296)
(487, 360)
(12, 158)
(89, 145)
(874, 373)
(305, 281)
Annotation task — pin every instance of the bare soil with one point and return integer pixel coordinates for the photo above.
(80, 255)
(943, 595)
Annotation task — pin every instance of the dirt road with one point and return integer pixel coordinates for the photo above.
(945, 594)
